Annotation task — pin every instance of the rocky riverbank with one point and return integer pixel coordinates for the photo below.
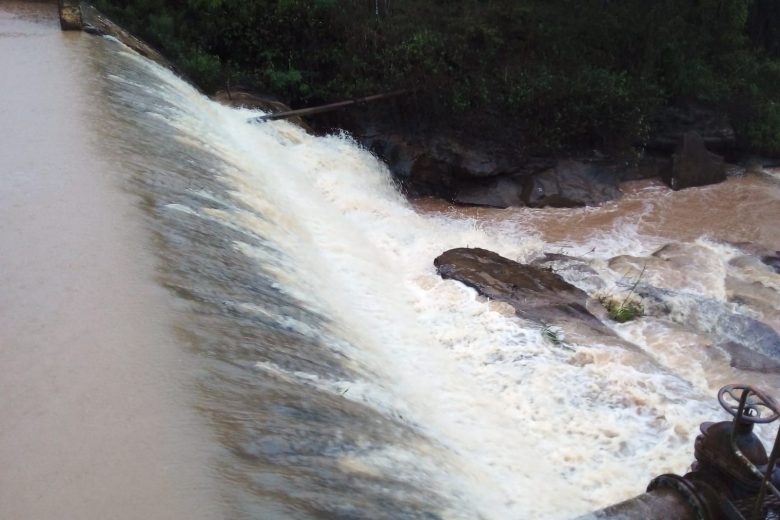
(466, 168)
(687, 145)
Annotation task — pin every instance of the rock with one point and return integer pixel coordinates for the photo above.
(572, 184)
(70, 15)
(744, 358)
(673, 122)
(457, 168)
(503, 192)
(648, 167)
(573, 270)
(536, 294)
(241, 98)
(772, 261)
(768, 257)
(568, 184)
(714, 318)
(694, 165)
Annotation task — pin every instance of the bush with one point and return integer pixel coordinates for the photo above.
(563, 73)
(204, 69)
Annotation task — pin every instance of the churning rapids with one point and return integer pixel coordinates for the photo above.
(344, 378)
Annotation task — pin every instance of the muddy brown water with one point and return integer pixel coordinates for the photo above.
(745, 208)
(96, 420)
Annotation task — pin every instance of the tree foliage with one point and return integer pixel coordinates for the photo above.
(565, 72)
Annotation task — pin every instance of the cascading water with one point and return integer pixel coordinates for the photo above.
(343, 377)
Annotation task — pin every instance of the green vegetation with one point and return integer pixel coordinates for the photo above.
(628, 308)
(622, 312)
(563, 73)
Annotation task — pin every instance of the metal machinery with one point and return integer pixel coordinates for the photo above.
(732, 477)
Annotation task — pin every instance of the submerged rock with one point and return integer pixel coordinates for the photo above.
(743, 358)
(694, 165)
(773, 261)
(573, 270)
(536, 294)
(768, 257)
(717, 319)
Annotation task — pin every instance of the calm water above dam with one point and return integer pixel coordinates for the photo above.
(314, 363)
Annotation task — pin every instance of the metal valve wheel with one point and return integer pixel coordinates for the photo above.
(753, 399)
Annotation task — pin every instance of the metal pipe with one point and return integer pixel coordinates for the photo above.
(659, 504)
(325, 108)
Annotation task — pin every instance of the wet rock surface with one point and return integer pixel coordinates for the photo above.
(768, 257)
(574, 270)
(536, 294)
(492, 177)
(773, 261)
(744, 358)
(694, 165)
(572, 184)
(460, 169)
(717, 319)
(733, 303)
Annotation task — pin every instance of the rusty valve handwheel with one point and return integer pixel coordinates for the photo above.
(755, 401)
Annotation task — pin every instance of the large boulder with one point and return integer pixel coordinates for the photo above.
(572, 184)
(536, 294)
(501, 192)
(455, 166)
(694, 165)
(744, 358)
(567, 184)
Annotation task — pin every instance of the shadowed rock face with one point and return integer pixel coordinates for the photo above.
(744, 358)
(694, 165)
(536, 294)
(572, 184)
(773, 261)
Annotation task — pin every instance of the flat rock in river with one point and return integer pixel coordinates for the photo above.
(536, 294)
